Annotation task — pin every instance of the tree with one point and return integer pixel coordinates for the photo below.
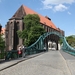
(35, 33)
(71, 40)
(60, 41)
(32, 30)
(2, 47)
(2, 43)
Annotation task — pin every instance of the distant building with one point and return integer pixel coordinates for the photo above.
(15, 23)
(3, 33)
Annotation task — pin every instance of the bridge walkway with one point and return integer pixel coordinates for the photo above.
(49, 63)
(70, 60)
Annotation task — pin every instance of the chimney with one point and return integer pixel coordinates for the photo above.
(47, 18)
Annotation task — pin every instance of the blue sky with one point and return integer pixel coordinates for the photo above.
(61, 12)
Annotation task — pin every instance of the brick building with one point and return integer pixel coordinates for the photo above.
(15, 23)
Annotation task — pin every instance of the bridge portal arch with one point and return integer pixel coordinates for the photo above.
(52, 40)
(65, 46)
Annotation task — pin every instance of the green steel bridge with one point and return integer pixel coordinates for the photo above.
(39, 45)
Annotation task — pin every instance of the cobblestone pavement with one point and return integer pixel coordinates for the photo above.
(49, 63)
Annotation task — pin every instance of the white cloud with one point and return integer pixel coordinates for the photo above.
(60, 7)
(54, 2)
(69, 13)
(56, 5)
(48, 7)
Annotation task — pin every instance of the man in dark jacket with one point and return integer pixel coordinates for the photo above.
(23, 51)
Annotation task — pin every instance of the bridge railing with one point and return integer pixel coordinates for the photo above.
(32, 49)
(13, 54)
(67, 48)
(38, 46)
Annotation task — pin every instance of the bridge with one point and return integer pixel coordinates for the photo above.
(39, 46)
(49, 62)
(46, 63)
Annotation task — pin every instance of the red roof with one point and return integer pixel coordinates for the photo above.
(3, 31)
(25, 10)
(43, 19)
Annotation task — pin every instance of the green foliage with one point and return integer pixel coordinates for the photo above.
(32, 30)
(31, 20)
(36, 31)
(2, 47)
(71, 40)
(60, 41)
(22, 34)
(2, 43)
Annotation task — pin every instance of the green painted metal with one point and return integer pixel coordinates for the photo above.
(38, 46)
(11, 55)
(66, 47)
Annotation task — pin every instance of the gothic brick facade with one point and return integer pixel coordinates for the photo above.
(16, 23)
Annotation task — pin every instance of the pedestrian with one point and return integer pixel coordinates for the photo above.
(19, 51)
(23, 52)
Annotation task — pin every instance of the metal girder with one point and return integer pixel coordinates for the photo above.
(38, 46)
(66, 47)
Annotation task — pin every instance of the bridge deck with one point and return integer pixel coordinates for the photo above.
(49, 63)
(70, 60)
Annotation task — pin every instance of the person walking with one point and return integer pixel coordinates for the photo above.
(23, 52)
(19, 51)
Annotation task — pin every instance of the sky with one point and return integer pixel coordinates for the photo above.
(61, 12)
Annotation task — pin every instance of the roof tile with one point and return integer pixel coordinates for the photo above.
(43, 19)
(25, 10)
